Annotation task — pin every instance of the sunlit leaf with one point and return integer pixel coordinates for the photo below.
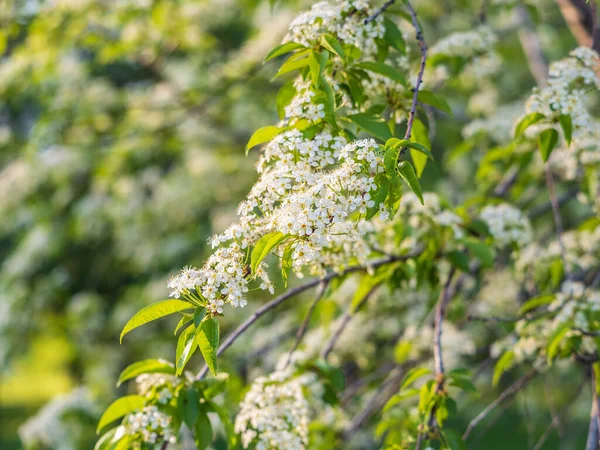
(153, 312)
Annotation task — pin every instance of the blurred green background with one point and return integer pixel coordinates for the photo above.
(122, 134)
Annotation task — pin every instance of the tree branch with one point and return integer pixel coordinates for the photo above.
(380, 11)
(580, 16)
(423, 47)
(304, 326)
(506, 395)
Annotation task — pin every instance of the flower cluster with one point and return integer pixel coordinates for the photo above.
(150, 425)
(344, 20)
(582, 253)
(274, 415)
(507, 225)
(161, 386)
(565, 91)
(432, 213)
(466, 44)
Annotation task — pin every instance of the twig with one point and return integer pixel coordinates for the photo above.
(348, 315)
(380, 11)
(532, 47)
(304, 326)
(593, 430)
(505, 395)
(557, 219)
(506, 182)
(540, 210)
(164, 445)
(596, 399)
(351, 390)
(423, 47)
(438, 361)
(295, 291)
(476, 318)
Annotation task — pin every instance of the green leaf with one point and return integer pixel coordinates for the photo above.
(282, 49)
(262, 135)
(294, 62)
(393, 36)
(596, 369)
(556, 339)
(421, 135)
(186, 346)
(453, 439)
(536, 302)
(435, 100)
(199, 316)
(385, 70)
(373, 125)
(264, 246)
(547, 140)
(567, 126)
(425, 395)
(463, 383)
(397, 398)
(184, 320)
(527, 121)
(146, 366)
(333, 45)
(203, 432)
(483, 252)
(153, 312)
(413, 375)
(459, 260)
(105, 441)
(284, 97)
(188, 404)
(379, 196)
(316, 63)
(119, 408)
(329, 102)
(504, 363)
(407, 172)
(208, 341)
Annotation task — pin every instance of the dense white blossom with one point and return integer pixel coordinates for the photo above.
(150, 425)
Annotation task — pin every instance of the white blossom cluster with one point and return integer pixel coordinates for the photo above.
(507, 224)
(150, 425)
(582, 253)
(498, 125)
(344, 20)
(314, 190)
(466, 44)
(274, 415)
(163, 386)
(573, 306)
(565, 91)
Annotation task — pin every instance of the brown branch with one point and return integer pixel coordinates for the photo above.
(380, 11)
(348, 315)
(423, 47)
(304, 326)
(532, 47)
(438, 361)
(505, 395)
(593, 430)
(580, 16)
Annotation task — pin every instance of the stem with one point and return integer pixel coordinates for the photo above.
(304, 326)
(593, 436)
(423, 47)
(506, 395)
(440, 313)
(380, 11)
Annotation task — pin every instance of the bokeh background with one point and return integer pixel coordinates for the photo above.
(122, 133)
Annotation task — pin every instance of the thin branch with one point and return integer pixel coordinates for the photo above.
(423, 47)
(295, 291)
(596, 399)
(540, 210)
(304, 326)
(532, 47)
(593, 430)
(438, 361)
(580, 16)
(557, 219)
(348, 315)
(506, 395)
(380, 11)
(351, 390)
